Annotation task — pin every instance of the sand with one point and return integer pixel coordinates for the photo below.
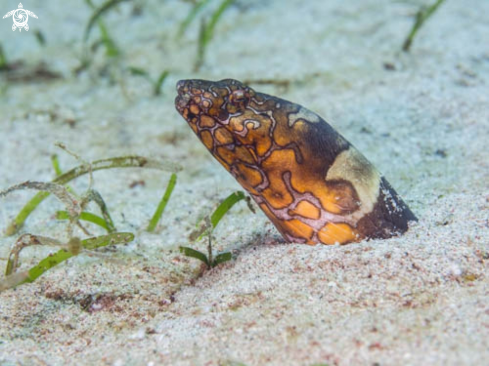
(417, 299)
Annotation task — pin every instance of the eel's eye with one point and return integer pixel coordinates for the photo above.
(239, 97)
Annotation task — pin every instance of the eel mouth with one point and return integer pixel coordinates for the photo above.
(183, 97)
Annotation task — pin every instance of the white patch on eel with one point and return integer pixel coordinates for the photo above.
(352, 166)
(305, 115)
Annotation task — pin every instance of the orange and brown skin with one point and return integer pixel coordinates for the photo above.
(310, 181)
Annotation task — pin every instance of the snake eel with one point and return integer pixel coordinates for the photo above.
(312, 184)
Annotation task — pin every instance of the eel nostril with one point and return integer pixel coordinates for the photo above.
(181, 85)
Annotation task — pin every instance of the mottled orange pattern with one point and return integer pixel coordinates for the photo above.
(310, 182)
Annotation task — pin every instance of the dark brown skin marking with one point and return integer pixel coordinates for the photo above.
(310, 181)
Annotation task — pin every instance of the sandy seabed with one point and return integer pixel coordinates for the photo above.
(421, 118)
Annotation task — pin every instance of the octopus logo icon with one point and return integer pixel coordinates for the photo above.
(20, 17)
